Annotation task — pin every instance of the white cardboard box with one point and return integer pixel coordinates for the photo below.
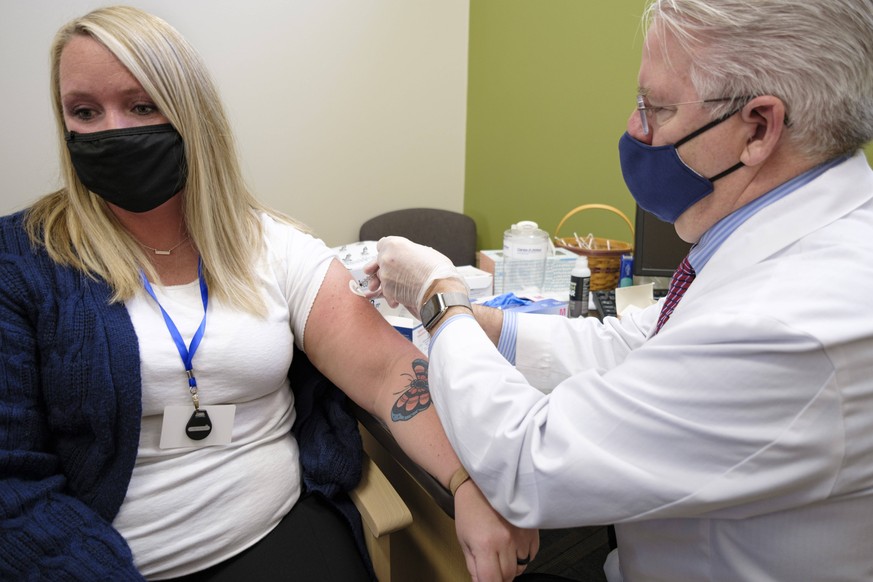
(411, 329)
(558, 269)
(480, 282)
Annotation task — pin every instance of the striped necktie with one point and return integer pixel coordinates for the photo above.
(682, 279)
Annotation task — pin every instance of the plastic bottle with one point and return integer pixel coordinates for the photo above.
(525, 250)
(580, 283)
(626, 271)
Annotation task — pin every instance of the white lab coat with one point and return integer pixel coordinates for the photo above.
(737, 444)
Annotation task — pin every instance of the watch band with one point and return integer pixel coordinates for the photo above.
(459, 477)
(435, 307)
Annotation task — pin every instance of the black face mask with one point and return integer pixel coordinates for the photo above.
(135, 168)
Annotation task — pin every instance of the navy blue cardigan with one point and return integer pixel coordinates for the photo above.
(70, 411)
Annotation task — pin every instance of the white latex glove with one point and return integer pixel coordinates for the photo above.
(403, 272)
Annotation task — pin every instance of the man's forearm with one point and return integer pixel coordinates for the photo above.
(491, 320)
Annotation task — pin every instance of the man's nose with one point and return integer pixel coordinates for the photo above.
(635, 128)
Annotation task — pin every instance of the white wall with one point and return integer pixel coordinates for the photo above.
(343, 109)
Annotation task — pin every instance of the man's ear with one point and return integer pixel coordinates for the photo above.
(765, 119)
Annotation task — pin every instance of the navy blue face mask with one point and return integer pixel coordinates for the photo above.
(658, 179)
(135, 168)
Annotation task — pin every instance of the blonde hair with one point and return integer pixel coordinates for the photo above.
(76, 227)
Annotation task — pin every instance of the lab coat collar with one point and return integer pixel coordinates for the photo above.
(827, 198)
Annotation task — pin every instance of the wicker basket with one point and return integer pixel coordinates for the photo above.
(604, 255)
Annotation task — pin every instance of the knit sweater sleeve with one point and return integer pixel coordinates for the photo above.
(55, 515)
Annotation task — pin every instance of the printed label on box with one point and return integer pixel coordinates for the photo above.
(558, 269)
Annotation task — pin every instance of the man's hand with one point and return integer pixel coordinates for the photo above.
(404, 271)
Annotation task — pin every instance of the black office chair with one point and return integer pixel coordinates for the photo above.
(451, 233)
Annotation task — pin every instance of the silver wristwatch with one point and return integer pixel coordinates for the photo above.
(435, 307)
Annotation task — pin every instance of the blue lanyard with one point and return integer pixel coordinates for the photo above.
(186, 352)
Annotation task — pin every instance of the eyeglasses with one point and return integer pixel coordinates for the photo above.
(663, 113)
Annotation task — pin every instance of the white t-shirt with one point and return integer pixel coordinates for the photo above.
(189, 508)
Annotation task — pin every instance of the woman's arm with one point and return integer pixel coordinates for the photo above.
(352, 344)
(46, 532)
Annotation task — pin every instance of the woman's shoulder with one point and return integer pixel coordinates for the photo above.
(293, 255)
(276, 222)
(28, 260)
(282, 232)
(13, 236)
(14, 220)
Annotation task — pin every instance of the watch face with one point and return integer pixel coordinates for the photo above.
(437, 305)
(432, 309)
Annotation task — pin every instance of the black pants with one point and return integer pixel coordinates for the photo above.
(312, 543)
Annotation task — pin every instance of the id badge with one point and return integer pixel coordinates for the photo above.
(184, 426)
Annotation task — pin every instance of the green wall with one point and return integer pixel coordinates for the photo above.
(551, 85)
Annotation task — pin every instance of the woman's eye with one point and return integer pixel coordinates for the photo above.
(144, 109)
(83, 113)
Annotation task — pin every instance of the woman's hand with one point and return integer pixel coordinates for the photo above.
(493, 548)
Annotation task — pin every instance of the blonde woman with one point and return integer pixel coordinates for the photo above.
(148, 314)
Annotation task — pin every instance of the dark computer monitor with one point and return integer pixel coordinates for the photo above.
(658, 250)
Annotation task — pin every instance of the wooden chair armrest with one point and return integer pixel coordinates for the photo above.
(382, 510)
(437, 492)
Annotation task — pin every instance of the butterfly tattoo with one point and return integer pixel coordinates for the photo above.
(416, 397)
